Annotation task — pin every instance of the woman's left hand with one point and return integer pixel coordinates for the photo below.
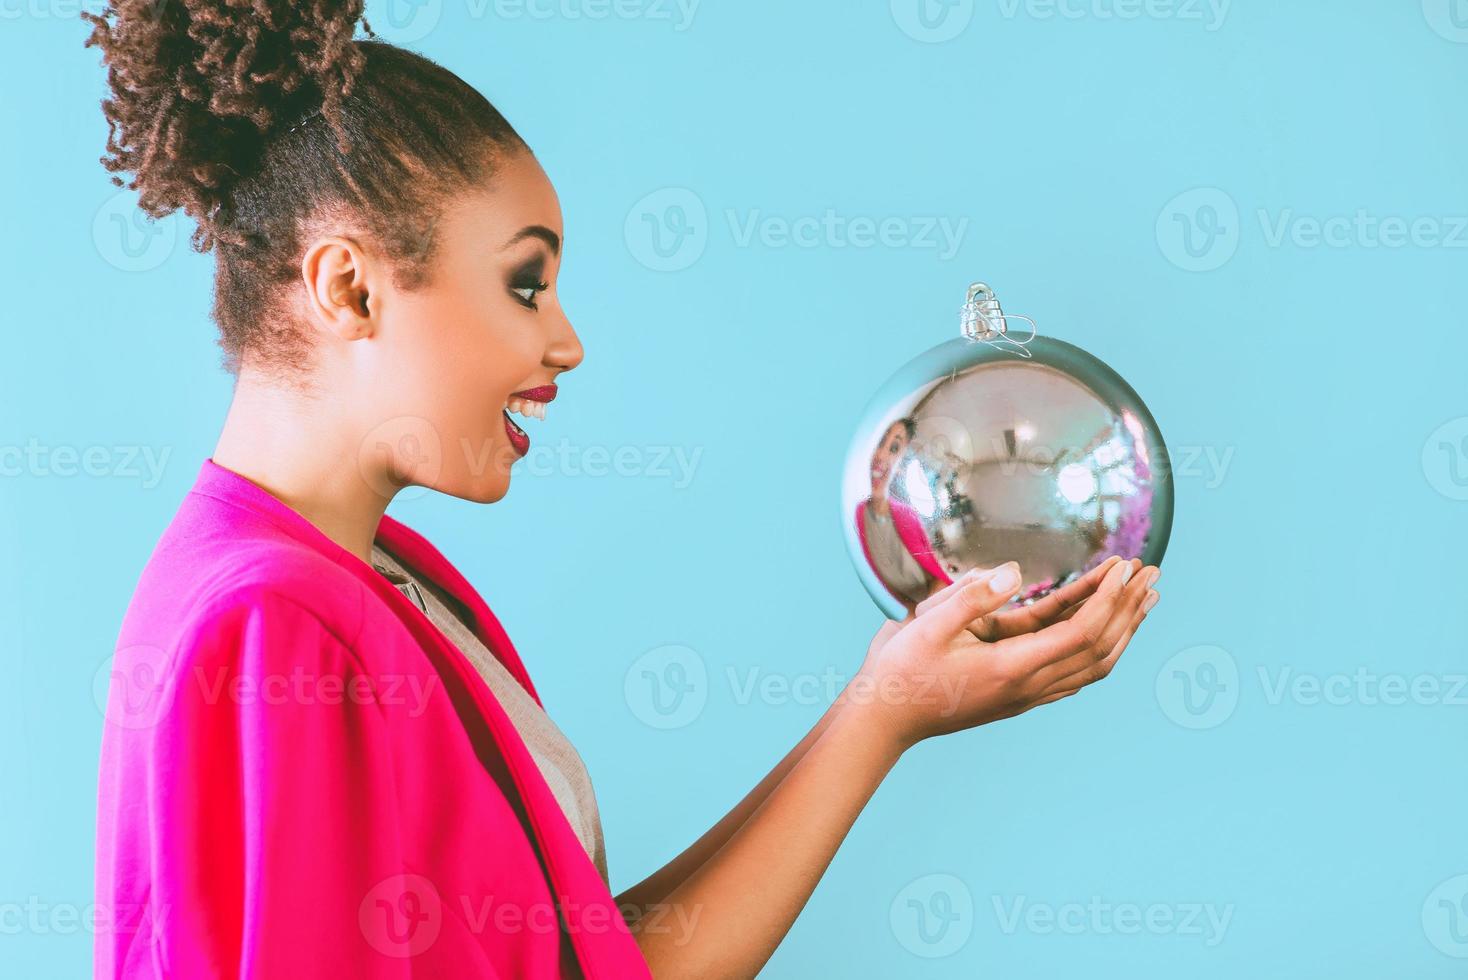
(920, 679)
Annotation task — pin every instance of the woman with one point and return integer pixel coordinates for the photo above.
(323, 755)
(891, 533)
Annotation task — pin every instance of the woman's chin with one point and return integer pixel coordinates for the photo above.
(486, 490)
(484, 487)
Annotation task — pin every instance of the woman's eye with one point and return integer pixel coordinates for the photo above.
(526, 294)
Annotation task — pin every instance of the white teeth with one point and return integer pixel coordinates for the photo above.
(526, 408)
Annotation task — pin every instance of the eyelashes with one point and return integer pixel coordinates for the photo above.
(527, 281)
(526, 294)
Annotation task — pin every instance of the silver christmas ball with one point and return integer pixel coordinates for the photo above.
(993, 448)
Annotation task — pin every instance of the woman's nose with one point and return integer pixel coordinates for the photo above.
(565, 350)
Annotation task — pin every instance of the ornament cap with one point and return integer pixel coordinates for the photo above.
(981, 318)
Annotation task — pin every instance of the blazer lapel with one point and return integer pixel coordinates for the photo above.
(420, 554)
(573, 878)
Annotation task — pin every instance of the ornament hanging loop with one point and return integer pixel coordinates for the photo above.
(982, 319)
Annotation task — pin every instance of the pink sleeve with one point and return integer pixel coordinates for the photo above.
(270, 803)
(910, 529)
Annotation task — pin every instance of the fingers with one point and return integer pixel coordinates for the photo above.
(1012, 622)
(984, 627)
(972, 575)
(1057, 605)
(1037, 654)
(1093, 664)
(1056, 696)
(1057, 602)
(1043, 699)
(1136, 564)
(1103, 640)
(942, 594)
(976, 594)
(1085, 678)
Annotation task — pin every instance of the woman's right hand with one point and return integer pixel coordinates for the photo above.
(959, 661)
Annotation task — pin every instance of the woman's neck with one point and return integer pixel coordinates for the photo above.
(305, 452)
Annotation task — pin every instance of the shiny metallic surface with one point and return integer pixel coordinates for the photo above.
(975, 455)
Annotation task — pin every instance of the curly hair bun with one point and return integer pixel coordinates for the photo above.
(198, 87)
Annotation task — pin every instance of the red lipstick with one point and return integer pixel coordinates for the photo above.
(518, 437)
(540, 393)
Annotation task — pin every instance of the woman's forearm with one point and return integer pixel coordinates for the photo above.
(742, 899)
(654, 889)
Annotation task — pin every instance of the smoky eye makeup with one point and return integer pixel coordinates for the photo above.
(527, 280)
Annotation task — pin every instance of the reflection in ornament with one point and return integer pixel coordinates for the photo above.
(987, 449)
(889, 528)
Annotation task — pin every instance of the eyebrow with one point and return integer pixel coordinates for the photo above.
(537, 231)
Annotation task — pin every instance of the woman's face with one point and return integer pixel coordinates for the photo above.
(447, 356)
(888, 452)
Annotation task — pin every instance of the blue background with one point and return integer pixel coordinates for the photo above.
(1316, 388)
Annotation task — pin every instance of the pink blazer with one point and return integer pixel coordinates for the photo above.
(300, 777)
(910, 529)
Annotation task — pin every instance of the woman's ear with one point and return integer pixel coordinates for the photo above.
(334, 272)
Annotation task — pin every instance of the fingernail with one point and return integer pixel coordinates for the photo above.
(1153, 576)
(1149, 602)
(1005, 579)
(1126, 573)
